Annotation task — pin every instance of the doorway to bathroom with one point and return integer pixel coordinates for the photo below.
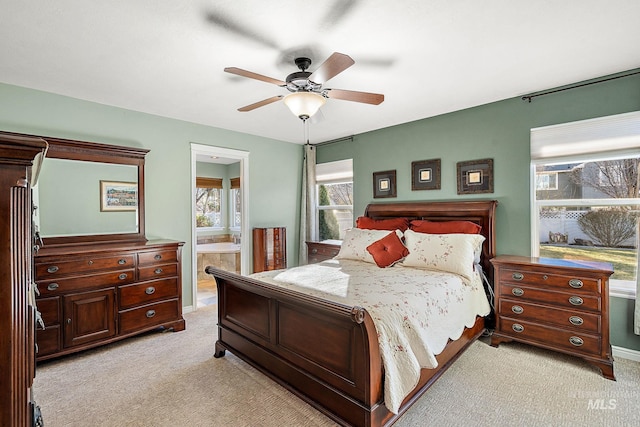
(219, 204)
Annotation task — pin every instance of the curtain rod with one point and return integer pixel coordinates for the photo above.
(548, 92)
(345, 138)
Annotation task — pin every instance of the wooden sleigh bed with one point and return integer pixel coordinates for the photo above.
(328, 353)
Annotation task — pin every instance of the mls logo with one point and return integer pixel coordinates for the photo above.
(602, 404)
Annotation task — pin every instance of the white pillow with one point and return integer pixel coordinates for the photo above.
(356, 240)
(453, 253)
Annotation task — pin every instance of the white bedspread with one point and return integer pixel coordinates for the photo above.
(415, 311)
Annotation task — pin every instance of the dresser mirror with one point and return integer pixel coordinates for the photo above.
(90, 192)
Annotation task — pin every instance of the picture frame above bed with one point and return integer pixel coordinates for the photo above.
(384, 184)
(475, 176)
(425, 174)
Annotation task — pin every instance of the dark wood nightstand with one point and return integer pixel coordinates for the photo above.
(561, 305)
(321, 251)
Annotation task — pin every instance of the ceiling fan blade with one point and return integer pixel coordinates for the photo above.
(260, 103)
(334, 65)
(350, 95)
(245, 73)
(239, 29)
(338, 12)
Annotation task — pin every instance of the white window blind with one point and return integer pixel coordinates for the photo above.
(334, 171)
(620, 132)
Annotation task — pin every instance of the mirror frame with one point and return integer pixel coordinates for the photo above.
(102, 153)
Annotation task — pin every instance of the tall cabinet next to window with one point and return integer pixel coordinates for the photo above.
(269, 249)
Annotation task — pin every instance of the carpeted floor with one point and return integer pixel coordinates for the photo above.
(172, 379)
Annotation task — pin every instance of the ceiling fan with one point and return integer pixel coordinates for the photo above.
(307, 94)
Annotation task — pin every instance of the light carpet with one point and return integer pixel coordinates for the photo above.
(172, 379)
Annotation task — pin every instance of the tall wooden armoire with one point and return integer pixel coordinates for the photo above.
(269, 249)
(17, 298)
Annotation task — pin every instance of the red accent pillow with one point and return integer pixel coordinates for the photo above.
(445, 227)
(388, 250)
(382, 224)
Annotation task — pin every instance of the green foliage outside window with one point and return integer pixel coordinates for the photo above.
(327, 222)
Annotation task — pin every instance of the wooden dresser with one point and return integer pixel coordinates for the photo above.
(17, 301)
(92, 294)
(269, 249)
(560, 305)
(321, 251)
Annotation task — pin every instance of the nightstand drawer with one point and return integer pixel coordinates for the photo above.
(319, 251)
(578, 320)
(565, 283)
(562, 299)
(549, 336)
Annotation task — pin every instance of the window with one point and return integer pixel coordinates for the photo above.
(208, 202)
(546, 181)
(335, 198)
(236, 204)
(595, 211)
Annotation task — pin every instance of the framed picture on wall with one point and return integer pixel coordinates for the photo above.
(384, 184)
(425, 175)
(475, 176)
(118, 196)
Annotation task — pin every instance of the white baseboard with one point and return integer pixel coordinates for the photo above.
(625, 353)
(189, 309)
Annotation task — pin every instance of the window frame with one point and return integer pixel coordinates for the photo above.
(337, 172)
(617, 288)
(212, 184)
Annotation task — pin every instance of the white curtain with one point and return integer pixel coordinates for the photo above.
(307, 202)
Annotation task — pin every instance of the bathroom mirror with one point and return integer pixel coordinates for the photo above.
(90, 192)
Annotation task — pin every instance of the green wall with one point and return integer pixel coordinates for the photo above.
(274, 192)
(499, 130)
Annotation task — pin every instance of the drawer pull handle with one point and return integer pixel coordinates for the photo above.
(517, 309)
(122, 261)
(158, 257)
(122, 276)
(517, 276)
(53, 286)
(314, 251)
(158, 271)
(517, 292)
(576, 300)
(576, 283)
(52, 269)
(545, 277)
(576, 320)
(577, 341)
(517, 327)
(90, 262)
(150, 290)
(150, 313)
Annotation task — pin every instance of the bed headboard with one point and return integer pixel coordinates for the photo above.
(481, 212)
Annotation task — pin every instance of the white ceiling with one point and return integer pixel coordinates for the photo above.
(427, 57)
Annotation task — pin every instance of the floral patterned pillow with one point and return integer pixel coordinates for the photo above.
(356, 241)
(453, 253)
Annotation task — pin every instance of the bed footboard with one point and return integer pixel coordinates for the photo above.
(324, 352)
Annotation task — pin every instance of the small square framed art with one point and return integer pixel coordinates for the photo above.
(475, 176)
(384, 184)
(425, 175)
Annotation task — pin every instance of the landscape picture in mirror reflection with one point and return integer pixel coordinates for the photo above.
(118, 196)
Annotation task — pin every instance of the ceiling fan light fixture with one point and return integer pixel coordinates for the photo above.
(304, 104)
